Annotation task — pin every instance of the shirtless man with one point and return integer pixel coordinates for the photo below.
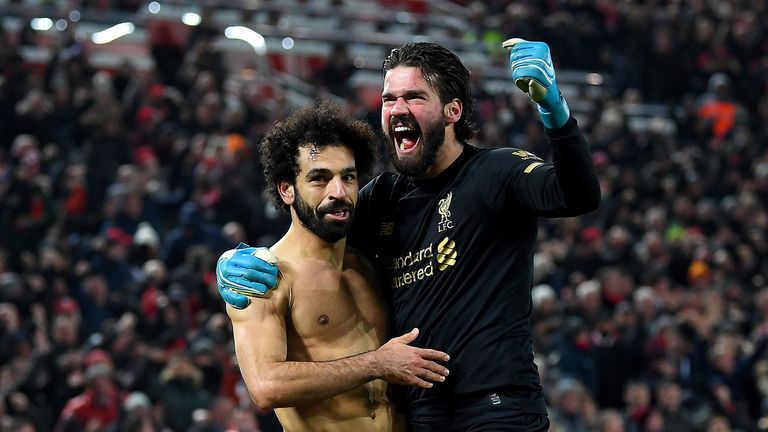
(313, 347)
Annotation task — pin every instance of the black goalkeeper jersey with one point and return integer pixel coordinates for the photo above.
(456, 253)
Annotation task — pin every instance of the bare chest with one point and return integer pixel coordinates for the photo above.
(334, 313)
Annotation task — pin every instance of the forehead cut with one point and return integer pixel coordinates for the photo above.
(327, 159)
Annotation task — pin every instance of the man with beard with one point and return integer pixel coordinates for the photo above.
(312, 347)
(453, 233)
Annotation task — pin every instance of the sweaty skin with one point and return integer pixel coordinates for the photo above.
(319, 313)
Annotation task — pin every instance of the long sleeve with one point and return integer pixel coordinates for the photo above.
(576, 174)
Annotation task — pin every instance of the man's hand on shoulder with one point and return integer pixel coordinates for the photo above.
(245, 272)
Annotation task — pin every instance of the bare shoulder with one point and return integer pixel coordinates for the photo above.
(354, 259)
(275, 302)
(359, 270)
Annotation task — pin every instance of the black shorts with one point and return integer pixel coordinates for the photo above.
(496, 410)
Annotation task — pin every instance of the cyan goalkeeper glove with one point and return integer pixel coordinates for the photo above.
(245, 272)
(533, 73)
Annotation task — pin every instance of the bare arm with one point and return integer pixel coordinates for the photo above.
(272, 381)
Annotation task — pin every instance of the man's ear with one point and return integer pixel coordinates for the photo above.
(286, 191)
(452, 111)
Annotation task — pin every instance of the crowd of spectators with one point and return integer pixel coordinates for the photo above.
(120, 188)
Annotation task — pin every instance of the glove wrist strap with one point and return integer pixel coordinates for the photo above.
(556, 114)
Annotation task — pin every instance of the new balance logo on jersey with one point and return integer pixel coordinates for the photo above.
(444, 210)
(446, 254)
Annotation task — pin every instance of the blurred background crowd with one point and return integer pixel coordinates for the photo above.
(120, 184)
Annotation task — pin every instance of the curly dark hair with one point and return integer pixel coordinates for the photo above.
(322, 124)
(445, 73)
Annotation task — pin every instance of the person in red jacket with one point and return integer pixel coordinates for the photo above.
(97, 407)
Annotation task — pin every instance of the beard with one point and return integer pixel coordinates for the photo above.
(313, 220)
(432, 139)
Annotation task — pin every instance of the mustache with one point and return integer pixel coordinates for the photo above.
(405, 120)
(336, 206)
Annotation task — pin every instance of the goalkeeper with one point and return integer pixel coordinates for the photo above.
(453, 234)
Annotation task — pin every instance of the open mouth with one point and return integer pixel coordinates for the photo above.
(338, 211)
(406, 136)
(338, 215)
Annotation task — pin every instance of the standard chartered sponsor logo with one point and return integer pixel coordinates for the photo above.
(446, 253)
(411, 258)
(409, 277)
(425, 262)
